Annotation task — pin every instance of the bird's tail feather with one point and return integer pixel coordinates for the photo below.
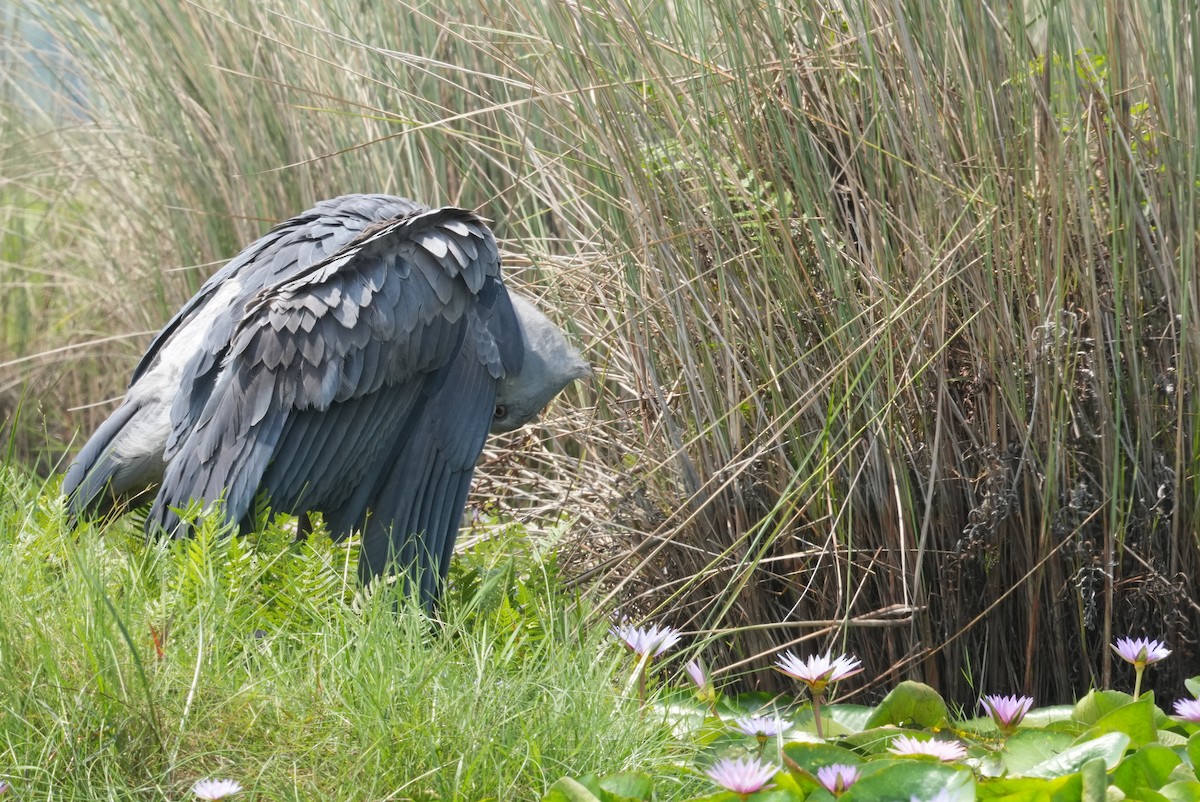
(220, 462)
(89, 482)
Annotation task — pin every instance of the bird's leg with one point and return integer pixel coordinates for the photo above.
(304, 527)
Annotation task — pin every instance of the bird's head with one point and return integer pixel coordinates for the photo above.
(550, 363)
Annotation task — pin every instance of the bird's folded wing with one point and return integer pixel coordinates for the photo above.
(415, 513)
(389, 313)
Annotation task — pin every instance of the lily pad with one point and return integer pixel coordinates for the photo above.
(1184, 791)
(1097, 704)
(906, 779)
(1027, 748)
(911, 703)
(1108, 747)
(1148, 767)
(1031, 789)
(1135, 719)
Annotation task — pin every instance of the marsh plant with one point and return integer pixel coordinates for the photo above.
(910, 746)
(889, 302)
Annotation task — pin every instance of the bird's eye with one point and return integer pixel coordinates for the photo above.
(501, 411)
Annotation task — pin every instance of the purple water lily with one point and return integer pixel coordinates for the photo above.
(1140, 652)
(947, 751)
(760, 726)
(837, 778)
(1188, 710)
(644, 641)
(743, 775)
(1007, 711)
(817, 672)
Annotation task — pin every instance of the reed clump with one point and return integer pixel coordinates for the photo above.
(892, 304)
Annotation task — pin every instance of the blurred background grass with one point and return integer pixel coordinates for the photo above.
(891, 303)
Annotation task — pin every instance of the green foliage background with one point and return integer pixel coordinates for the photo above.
(892, 303)
(130, 670)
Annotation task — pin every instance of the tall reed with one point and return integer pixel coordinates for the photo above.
(892, 303)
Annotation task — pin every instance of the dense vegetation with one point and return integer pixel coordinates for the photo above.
(131, 672)
(892, 304)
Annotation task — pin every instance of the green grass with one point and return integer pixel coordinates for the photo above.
(130, 671)
(891, 302)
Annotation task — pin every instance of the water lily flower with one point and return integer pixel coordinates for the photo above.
(4, 787)
(1140, 652)
(942, 750)
(647, 643)
(818, 670)
(837, 778)
(760, 726)
(705, 691)
(1188, 709)
(1007, 711)
(763, 728)
(696, 673)
(216, 789)
(743, 775)
(651, 641)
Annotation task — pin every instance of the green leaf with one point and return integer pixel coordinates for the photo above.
(1168, 738)
(1135, 719)
(1193, 750)
(1028, 789)
(774, 795)
(1095, 781)
(1148, 767)
(810, 756)
(1183, 791)
(1193, 686)
(1045, 716)
(904, 779)
(1027, 748)
(1143, 795)
(1109, 747)
(785, 781)
(852, 718)
(910, 703)
(568, 790)
(620, 787)
(768, 795)
(626, 785)
(1098, 704)
(818, 794)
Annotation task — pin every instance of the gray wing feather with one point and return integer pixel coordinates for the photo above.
(90, 478)
(301, 240)
(292, 246)
(174, 380)
(416, 513)
(385, 311)
(342, 449)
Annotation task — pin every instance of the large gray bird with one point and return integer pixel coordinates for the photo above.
(350, 362)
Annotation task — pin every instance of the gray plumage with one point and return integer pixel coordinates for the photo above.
(351, 361)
